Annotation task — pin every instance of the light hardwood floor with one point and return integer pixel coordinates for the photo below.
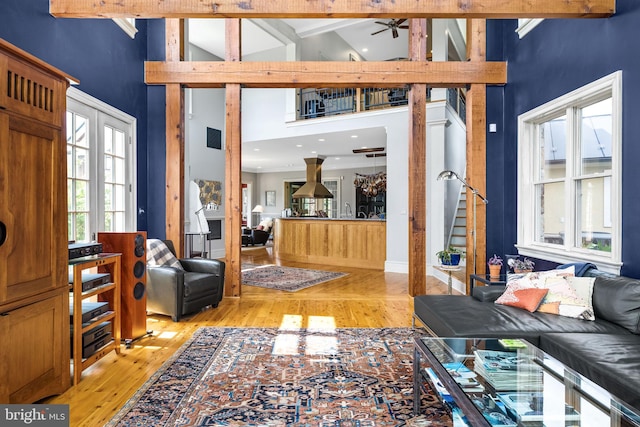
(364, 298)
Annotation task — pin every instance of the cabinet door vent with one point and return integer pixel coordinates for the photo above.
(29, 92)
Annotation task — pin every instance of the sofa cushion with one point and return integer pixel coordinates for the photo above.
(197, 284)
(609, 360)
(462, 316)
(617, 299)
(488, 293)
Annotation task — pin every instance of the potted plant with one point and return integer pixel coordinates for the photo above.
(449, 256)
(495, 265)
(524, 265)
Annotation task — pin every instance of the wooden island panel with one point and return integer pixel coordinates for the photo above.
(349, 243)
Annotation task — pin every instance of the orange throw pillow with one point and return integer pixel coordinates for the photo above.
(528, 299)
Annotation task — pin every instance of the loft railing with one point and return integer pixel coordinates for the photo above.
(457, 99)
(332, 101)
(323, 102)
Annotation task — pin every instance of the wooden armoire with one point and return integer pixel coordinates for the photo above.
(34, 285)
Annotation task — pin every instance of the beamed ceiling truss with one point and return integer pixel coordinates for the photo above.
(416, 74)
(486, 9)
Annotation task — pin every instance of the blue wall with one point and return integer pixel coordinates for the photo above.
(555, 58)
(109, 65)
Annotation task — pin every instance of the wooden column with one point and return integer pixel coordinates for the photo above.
(476, 150)
(417, 164)
(233, 171)
(174, 180)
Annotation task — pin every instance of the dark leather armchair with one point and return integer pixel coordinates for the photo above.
(176, 292)
(253, 236)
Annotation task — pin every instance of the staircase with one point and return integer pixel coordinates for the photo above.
(458, 235)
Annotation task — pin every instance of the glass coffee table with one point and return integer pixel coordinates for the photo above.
(509, 383)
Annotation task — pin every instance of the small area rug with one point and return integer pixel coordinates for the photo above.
(284, 278)
(285, 377)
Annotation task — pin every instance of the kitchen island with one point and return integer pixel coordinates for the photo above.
(348, 242)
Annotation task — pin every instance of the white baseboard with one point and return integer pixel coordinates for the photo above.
(396, 267)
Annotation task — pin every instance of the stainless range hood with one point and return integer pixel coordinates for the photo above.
(313, 188)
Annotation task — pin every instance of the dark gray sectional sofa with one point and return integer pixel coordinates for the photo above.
(606, 350)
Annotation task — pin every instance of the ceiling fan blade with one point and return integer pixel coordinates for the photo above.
(381, 23)
(400, 21)
(403, 27)
(384, 29)
(395, 33)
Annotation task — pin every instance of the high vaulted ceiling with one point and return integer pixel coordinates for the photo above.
(208, 34)
(287, 154)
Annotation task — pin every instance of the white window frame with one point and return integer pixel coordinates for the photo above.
(99, 114)
(527, 125)
(525, 25)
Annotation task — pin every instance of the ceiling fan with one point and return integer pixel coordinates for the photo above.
(392, 25)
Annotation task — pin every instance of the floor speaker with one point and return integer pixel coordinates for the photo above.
(133, 279)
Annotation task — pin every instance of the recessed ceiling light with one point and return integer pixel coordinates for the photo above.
(256, 149)
(321, 139)
(364, 49)
(337, 158)
(354, 136)
(259, 167)
(298, 145)
(313, 152)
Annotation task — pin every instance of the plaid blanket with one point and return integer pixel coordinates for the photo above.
(158, 254)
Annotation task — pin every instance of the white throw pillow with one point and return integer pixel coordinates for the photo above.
(569, 296)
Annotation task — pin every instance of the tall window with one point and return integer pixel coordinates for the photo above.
(569, 177)
(100, 168)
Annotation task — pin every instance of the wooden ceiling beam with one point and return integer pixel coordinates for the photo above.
(325, 73)
(490, 9)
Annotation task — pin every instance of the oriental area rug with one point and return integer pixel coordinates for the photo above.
(284, 278)
(286, 377)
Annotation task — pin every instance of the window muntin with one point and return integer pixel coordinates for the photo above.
(101, 168)
(78, 167)
(569, 177)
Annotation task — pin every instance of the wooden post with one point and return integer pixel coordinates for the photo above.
(233, 171)
(174, 108)
(417, 164)
(476, 149)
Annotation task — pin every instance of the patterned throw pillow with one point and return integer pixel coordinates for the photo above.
(158, 254)
(570, 296)
(536, 280)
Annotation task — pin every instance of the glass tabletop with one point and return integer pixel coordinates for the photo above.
(508, 382)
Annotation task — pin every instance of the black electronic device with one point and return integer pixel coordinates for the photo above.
(79, 250)
(90, 310)
(89, 349)
(90, 281)
(94, 334)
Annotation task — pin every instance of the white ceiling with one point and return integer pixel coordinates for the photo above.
(287, 154)
(283, 154)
